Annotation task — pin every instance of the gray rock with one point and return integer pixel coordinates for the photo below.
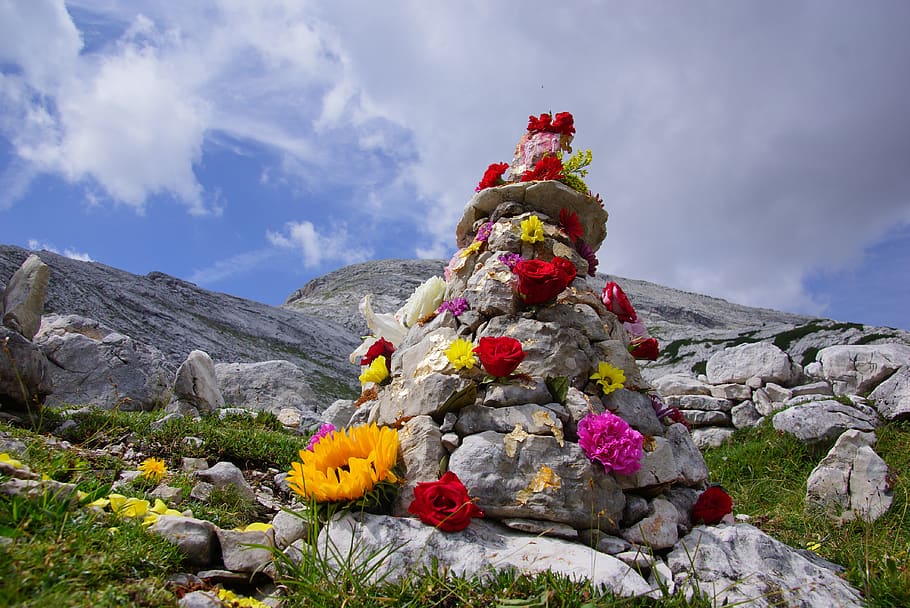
(226, 474)
(814, 388)
(658, 530)
(289, 527)
(683, 499)
(25, 376)
(739, 565)
(700, 418)
(169, 494)
(238, 555)
(339, 413)
(745, 416)
(577, 316)
(692, 467)
(699, 402)
(851, 481)
(196, 383)
(94, 364)
(636, 409)
(195, 538)
(736, 392)
(534, 477)
(202, 491)
(853, 369)
(636, 509)
(23, 298)
(658, 467)
(605, 543)
(534, 419)
(776, 392)
(739, 363)
(541, 528)
(711, 437)
(420, 396)
(266, 386)
(489, 290)
(200, 599)
(681, 384)
(822, 422)
(482, 546)
(892, 397)
(517, 392)
(421, 452)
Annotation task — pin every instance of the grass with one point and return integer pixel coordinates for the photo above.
(56, 553)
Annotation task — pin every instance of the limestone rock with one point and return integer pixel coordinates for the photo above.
(96, 365)
(692, 467)
(196, 383)
(892, 397)
(421, 452)
(859, 368)
(744, 415)
(517, 392)
(739, 565)
(226, 474)
(482, 546)
(658, 467)
(711, 437)
(822, 422)
(237, 554)
(739, 363)
(195, 538)
(700, 418)
(636, 409)
(681, 384)
(851, 481)
(25, 376)
(339, 413)
(736, 392)
(534, 419)
(23, 299)
(699, 402)
(534, 477)
(424, 395)
(269, 386)
(658, 530)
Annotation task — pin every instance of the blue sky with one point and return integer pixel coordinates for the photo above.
(754, 151)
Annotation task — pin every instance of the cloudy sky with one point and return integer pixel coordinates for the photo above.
(754, 151)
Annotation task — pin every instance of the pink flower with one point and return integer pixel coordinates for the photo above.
(324, 430)
(484, 232)
(610, 440)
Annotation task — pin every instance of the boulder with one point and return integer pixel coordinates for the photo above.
(400, 546)
(269, 386)
(854, 369)
(226, 474)
(196, 384)
(96, 365)
(681, 384)
(756, 359)
(741, 565)
(892, 397)
(822, 422)
(25, 375)
(23, 298)
(195, 538)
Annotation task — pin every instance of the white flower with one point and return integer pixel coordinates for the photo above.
(425, 300)
(382, 325)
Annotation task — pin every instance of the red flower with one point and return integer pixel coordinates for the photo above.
(379, 347)
(645, 348)
(712, 506)
(568, 221)
(500, 356)
(547, 168)
(444, 504)
(492, 176)
(563, 123)
(616, 302)
(540, 281)
(536, 124)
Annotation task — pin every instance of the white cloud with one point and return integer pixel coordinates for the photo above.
(318, 249)
(36, 245)
(233, 266)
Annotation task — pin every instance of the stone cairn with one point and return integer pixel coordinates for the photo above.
(514, 442)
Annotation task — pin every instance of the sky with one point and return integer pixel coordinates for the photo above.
(750, 150)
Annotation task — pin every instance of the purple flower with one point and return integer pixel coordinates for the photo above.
(483, 233)
(664, 411)
(510, 259)
(610, 440)
(456, 306)
(324, 430)
(589, 254)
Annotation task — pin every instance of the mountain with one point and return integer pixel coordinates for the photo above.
(320, 323)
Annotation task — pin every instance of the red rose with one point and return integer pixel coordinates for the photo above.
(444, 504)
(645, 348)
(712, 506)
(380, 347)
(616, 302)
(547, 168)
(500, 356)
(536, 124)
(563, 123)
(492, 176)
(568, 221)
(540, 281)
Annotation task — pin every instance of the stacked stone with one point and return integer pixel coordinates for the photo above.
(514, 443)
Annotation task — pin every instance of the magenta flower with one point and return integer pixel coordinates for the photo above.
(324, 430)
(610, 440)
(511, 260)
(456, 306)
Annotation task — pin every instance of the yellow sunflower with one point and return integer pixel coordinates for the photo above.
(346, 464)
(608, 377)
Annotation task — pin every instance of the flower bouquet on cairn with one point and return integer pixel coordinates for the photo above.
(510, 388)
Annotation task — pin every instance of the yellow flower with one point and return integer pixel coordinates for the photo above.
(608, 377)
(153, 468)
(460, 354)
(376, 372)
(232, 600)
(100, 503)
(472, 248)
(255, 527)
(532, 230)
(5, 458)
(346, 464)
(128, 507)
